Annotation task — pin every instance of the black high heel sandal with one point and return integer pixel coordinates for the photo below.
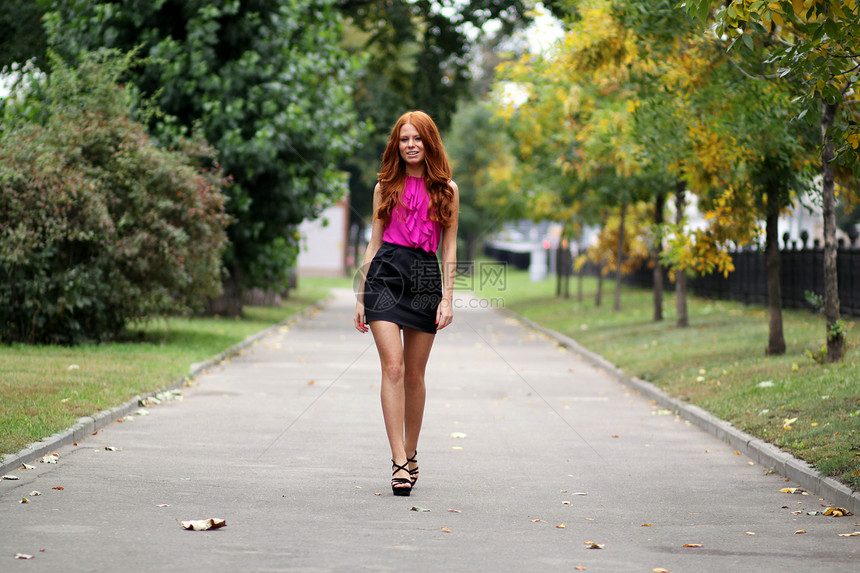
(400, 486)
(413, 474)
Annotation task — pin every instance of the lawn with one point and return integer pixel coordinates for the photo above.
(45, 389)
(717, 363)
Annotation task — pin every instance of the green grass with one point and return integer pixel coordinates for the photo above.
(40, 394)
(717, 363)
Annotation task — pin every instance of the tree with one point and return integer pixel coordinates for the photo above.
(269, 85)
(814, 47)
(99, 225)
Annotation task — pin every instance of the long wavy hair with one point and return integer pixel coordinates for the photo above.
(437, 171)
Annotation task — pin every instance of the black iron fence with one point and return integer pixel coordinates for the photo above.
(801, 271)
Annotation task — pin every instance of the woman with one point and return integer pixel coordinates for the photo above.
(415, 211)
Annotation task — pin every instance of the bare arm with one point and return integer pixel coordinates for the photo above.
(445, 312)
(369, 253)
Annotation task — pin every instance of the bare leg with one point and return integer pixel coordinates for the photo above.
(417, 345)
(390, 348)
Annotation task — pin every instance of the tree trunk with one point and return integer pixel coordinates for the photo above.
(776, 339)
(598, 297)
(835, 338)
(619, 257)
(680, 276)
(229, 302)
(659, 205)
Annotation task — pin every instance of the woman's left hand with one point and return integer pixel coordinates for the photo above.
(444, 314)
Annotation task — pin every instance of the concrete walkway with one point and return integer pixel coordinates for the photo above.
(528, 453)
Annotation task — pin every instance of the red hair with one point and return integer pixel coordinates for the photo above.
(437, 171)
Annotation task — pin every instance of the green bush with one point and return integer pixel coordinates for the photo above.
(98, 224)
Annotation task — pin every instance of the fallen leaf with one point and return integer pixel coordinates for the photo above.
(565, 503)
(614, 436)
(446, 529)
(26, 467)
(58, 488)
(455, 510)
(34, 493)
(10, 477)
(536, 520)
(23, 556)
(692, 545)
(50, 459)
(659, 570)
(647, 525)
(456, 447)
(112, 449)
(750, 463)
(736, 454)
(24, 500)
(750, 532)
(311, 382)
(799, 531)
(579, 493)
(837, 512)
(203, 524)
(786, 423)
(560, 526)
(416, 508)
(580, 568)
(377, 493)
(458, 435)
(854, 534)
(791, 490)
(593, 545)
(163, 505)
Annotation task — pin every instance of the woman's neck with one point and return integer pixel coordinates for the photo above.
(415, 171)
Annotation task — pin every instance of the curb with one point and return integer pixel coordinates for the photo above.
(758, 450)
(89, 424)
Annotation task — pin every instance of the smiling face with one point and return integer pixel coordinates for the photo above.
(412, 149)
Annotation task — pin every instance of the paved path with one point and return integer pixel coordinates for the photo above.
(286, 443)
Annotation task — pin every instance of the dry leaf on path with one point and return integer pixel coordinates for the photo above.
(692, 545)
(454, 510)
(800, 531)
(593, 545)
(446, 529)
(536, 520)
(26, 467)
(34, 493)
(24, 500)
(23, 556)
(112, 449)
(854, 534)
(458, 435)
(792, 490)
(837, 512)
(416, 508)
(560, 526)
(10, 477)
(50, 459)
(580, 568)
(659, 570)
(647, 525)
(203, 524)
(58, 488)
(750, 532)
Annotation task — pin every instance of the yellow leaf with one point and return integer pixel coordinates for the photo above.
(692, 545)
(854, 534)
(446, 529)
(800, 531)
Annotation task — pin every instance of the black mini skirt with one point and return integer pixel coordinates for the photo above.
(403, 286)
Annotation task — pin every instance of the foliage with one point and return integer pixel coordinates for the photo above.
(22, 36)
(270, 87)
(478, 148)
(98, 224)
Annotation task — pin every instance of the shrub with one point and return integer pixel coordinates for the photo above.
(98, 224)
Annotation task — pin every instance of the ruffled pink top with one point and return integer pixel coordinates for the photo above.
(410, 224)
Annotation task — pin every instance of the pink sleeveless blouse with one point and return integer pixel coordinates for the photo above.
(410, 226)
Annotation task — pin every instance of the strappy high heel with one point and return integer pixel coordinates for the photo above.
(400, 486)
(413, 474)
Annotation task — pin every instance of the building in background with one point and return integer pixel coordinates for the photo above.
(325, 243)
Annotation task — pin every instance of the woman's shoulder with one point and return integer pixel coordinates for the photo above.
(453, 186)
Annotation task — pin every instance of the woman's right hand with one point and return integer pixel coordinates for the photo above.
(358, 318)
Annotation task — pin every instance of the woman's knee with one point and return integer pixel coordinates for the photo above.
(393, 371)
